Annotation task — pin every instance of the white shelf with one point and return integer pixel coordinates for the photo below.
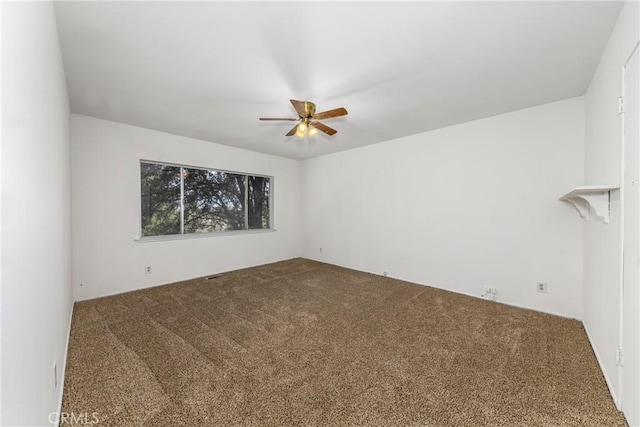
(596, 197)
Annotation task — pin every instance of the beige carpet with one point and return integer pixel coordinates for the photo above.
(304, 343)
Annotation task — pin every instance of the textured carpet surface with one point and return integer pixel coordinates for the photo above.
(305, 343)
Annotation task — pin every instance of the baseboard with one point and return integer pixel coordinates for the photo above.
(607, 380)
(64, 364)
(539, 310)
(173, 282)
(455, 291)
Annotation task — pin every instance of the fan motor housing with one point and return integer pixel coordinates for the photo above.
(309, 109)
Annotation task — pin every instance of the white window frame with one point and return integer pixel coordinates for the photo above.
(183, 236)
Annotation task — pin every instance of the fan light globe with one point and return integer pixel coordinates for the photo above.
(312, 131)
(302, 127)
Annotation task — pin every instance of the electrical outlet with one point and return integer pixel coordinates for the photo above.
(147, 269)
(541, 287)
(385, 273)
(320, 250)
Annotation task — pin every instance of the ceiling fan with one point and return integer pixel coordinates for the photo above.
(308, 118)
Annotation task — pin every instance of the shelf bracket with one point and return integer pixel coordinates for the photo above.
(596, 197)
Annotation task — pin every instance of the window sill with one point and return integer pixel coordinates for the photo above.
(151, 239)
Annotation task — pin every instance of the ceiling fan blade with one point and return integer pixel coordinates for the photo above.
(274, 118)
(324, 128)
(299, 106)
(292, 131)
(331, 113)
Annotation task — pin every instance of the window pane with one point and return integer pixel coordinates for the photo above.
(258, 202)
(160, 185)
(213, 201)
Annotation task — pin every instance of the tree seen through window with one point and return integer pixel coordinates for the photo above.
(182, 200)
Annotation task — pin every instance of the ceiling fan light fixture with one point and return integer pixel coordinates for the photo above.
(309, 119)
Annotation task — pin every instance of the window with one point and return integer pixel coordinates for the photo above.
(186, 200)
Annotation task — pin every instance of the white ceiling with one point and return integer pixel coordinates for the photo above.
(208, 70)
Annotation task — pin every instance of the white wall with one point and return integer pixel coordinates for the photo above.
(460, 208)
(602, 166)
(36, 231)
(106, 210)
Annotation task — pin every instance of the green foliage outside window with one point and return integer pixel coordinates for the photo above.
(182, 200)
